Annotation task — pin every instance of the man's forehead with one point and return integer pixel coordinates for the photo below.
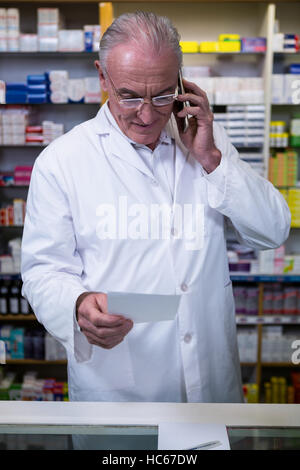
(134, 56)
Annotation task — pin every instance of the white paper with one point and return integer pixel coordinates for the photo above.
(142, 308)
(189, 435)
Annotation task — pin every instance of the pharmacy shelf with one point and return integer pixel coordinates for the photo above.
(265, 278)
(51, 104)
(56, 54)
(238, 53)
(16, 186)
(35, 361)
(10, 276)
(22, 145)
(285, 104)
(87, 54)
(268, 319)
(234, 277)
(280, 364)
(17, 317)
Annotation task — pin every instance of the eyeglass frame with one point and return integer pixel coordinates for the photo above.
(142, 101)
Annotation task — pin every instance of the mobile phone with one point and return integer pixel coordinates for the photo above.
(183, 104)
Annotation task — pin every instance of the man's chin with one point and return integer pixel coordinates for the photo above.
(144, 139)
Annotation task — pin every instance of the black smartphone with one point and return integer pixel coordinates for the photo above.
(183, 104)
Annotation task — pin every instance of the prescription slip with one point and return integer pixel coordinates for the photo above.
(142, 308)
(190, 435)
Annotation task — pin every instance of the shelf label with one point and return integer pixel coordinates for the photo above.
(267, 319)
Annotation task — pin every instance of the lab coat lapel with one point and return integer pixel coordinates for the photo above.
(182, 152)
(120, 147)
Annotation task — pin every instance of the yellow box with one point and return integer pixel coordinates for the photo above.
(209, 46)
(229, 37)
(229, 46)
(189, 46)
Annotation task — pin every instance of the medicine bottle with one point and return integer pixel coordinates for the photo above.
(3, 298)
(14, 299)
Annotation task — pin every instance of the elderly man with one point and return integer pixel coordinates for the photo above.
(136, 151)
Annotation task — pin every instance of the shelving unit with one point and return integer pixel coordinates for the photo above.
(196, 20)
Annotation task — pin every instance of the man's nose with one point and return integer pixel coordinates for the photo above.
(146, 112)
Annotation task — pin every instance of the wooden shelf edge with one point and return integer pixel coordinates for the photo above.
(35, 361)
(17, 317)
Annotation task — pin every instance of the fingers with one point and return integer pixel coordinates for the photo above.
(197, 112)
(101, 330)
(194, 95)
(105, 337)
(193, 87)
(100, 327)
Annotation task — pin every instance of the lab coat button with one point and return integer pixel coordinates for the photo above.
(174, 232)
(187, 338)
(154, 182)
(184, 287)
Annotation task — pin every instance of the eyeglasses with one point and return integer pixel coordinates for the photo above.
(133, 103)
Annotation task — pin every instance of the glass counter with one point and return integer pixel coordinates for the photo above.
(120, 426)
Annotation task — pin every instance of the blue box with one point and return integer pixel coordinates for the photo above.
(17, 343)
(16, 97)
(36, 79)
(16, 86)
(88, 41)
(294, 68)
(253, 44)
(37, 98)
(37, 89)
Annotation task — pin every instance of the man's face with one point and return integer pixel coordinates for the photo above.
(140, 74)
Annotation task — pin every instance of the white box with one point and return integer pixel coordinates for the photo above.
(18, 205)
(278, 84)
(71, 40)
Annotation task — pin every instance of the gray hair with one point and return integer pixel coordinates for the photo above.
(144, 29)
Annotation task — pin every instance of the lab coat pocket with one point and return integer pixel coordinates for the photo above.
(213, 220)
(107, 370)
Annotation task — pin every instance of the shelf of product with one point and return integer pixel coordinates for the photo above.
(262, 265)
(283, 42)
(245, 125)
(51, 33)
(32, 388)
(31, 343)
(281, 136)
(285, 87)
(227, 43)
(279, 302)
(17, 128)
(54, 86)
(12, 303)
(276, 390)
(232, 90)
(280, 390)
(12, 214)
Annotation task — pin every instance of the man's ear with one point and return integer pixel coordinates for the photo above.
(102, 78)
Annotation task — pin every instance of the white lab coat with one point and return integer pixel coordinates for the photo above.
(194, 357)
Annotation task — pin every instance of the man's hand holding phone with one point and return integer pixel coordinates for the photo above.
(198, 135)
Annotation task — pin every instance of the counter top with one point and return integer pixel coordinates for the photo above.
(147, 414)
